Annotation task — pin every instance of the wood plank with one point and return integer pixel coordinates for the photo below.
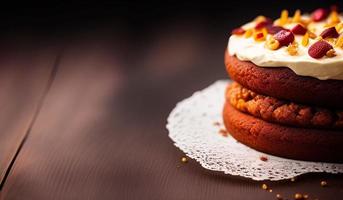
(101, 132)
(70, 149)
(24, 74)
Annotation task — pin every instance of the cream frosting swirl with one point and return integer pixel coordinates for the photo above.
(247, 49)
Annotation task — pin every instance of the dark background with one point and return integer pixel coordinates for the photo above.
(86, 88)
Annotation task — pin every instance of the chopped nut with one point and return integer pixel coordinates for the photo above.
(297, 16)
(284, 17)
(331, 40)
(270, 190)
(305, 196)
(323, 183)
(264, 186)
(331, 53)
(260, 18)
(305, 39)
(298, 196)
(339, 27)
(184, 159)
(292, 49)
(333, 18)
(248, 33)
(272, 44)
(305, 22)
(339, 42)
(311, 35)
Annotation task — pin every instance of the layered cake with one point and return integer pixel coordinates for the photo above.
(287, 95)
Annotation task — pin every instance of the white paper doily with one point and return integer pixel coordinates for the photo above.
(191, 127)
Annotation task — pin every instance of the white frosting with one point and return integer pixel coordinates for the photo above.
(247, 49)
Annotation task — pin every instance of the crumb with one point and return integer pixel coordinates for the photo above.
(264, 158)
(223, 132)
(216, 123)
(298, 196)
(279, 197)
(323, 183)
(184, 159)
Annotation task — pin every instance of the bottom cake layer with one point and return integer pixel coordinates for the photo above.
(284, 141)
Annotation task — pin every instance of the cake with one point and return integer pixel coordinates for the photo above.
(287, 95)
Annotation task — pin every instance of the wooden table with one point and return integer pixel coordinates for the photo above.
(83, 117)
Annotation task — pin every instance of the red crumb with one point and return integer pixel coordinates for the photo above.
(264, 158)
(223, 132)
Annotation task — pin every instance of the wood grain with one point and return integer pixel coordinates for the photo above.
(24, 74)
(101, 131)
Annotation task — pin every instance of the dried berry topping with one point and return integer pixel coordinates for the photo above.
(274, 29)
(329, 33)
(263, 23)
(319, 14)
(299, 30)
(284, 37)
(260, 36)
(319, 49)
(238, 31)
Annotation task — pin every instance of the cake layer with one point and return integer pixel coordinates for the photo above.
(284, 141)
(282, 112)
(283, 83)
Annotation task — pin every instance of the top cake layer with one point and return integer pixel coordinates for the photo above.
(310, 45)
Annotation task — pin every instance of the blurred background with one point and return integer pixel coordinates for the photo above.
(164, 51)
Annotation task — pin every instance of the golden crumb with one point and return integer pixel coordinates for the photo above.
(323, 183)
(184, 159)
(298, 196)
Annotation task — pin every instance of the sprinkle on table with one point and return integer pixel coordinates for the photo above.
(184, 159)
(323, 183)
(298, 196)
(279, 197)
(264, 158)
